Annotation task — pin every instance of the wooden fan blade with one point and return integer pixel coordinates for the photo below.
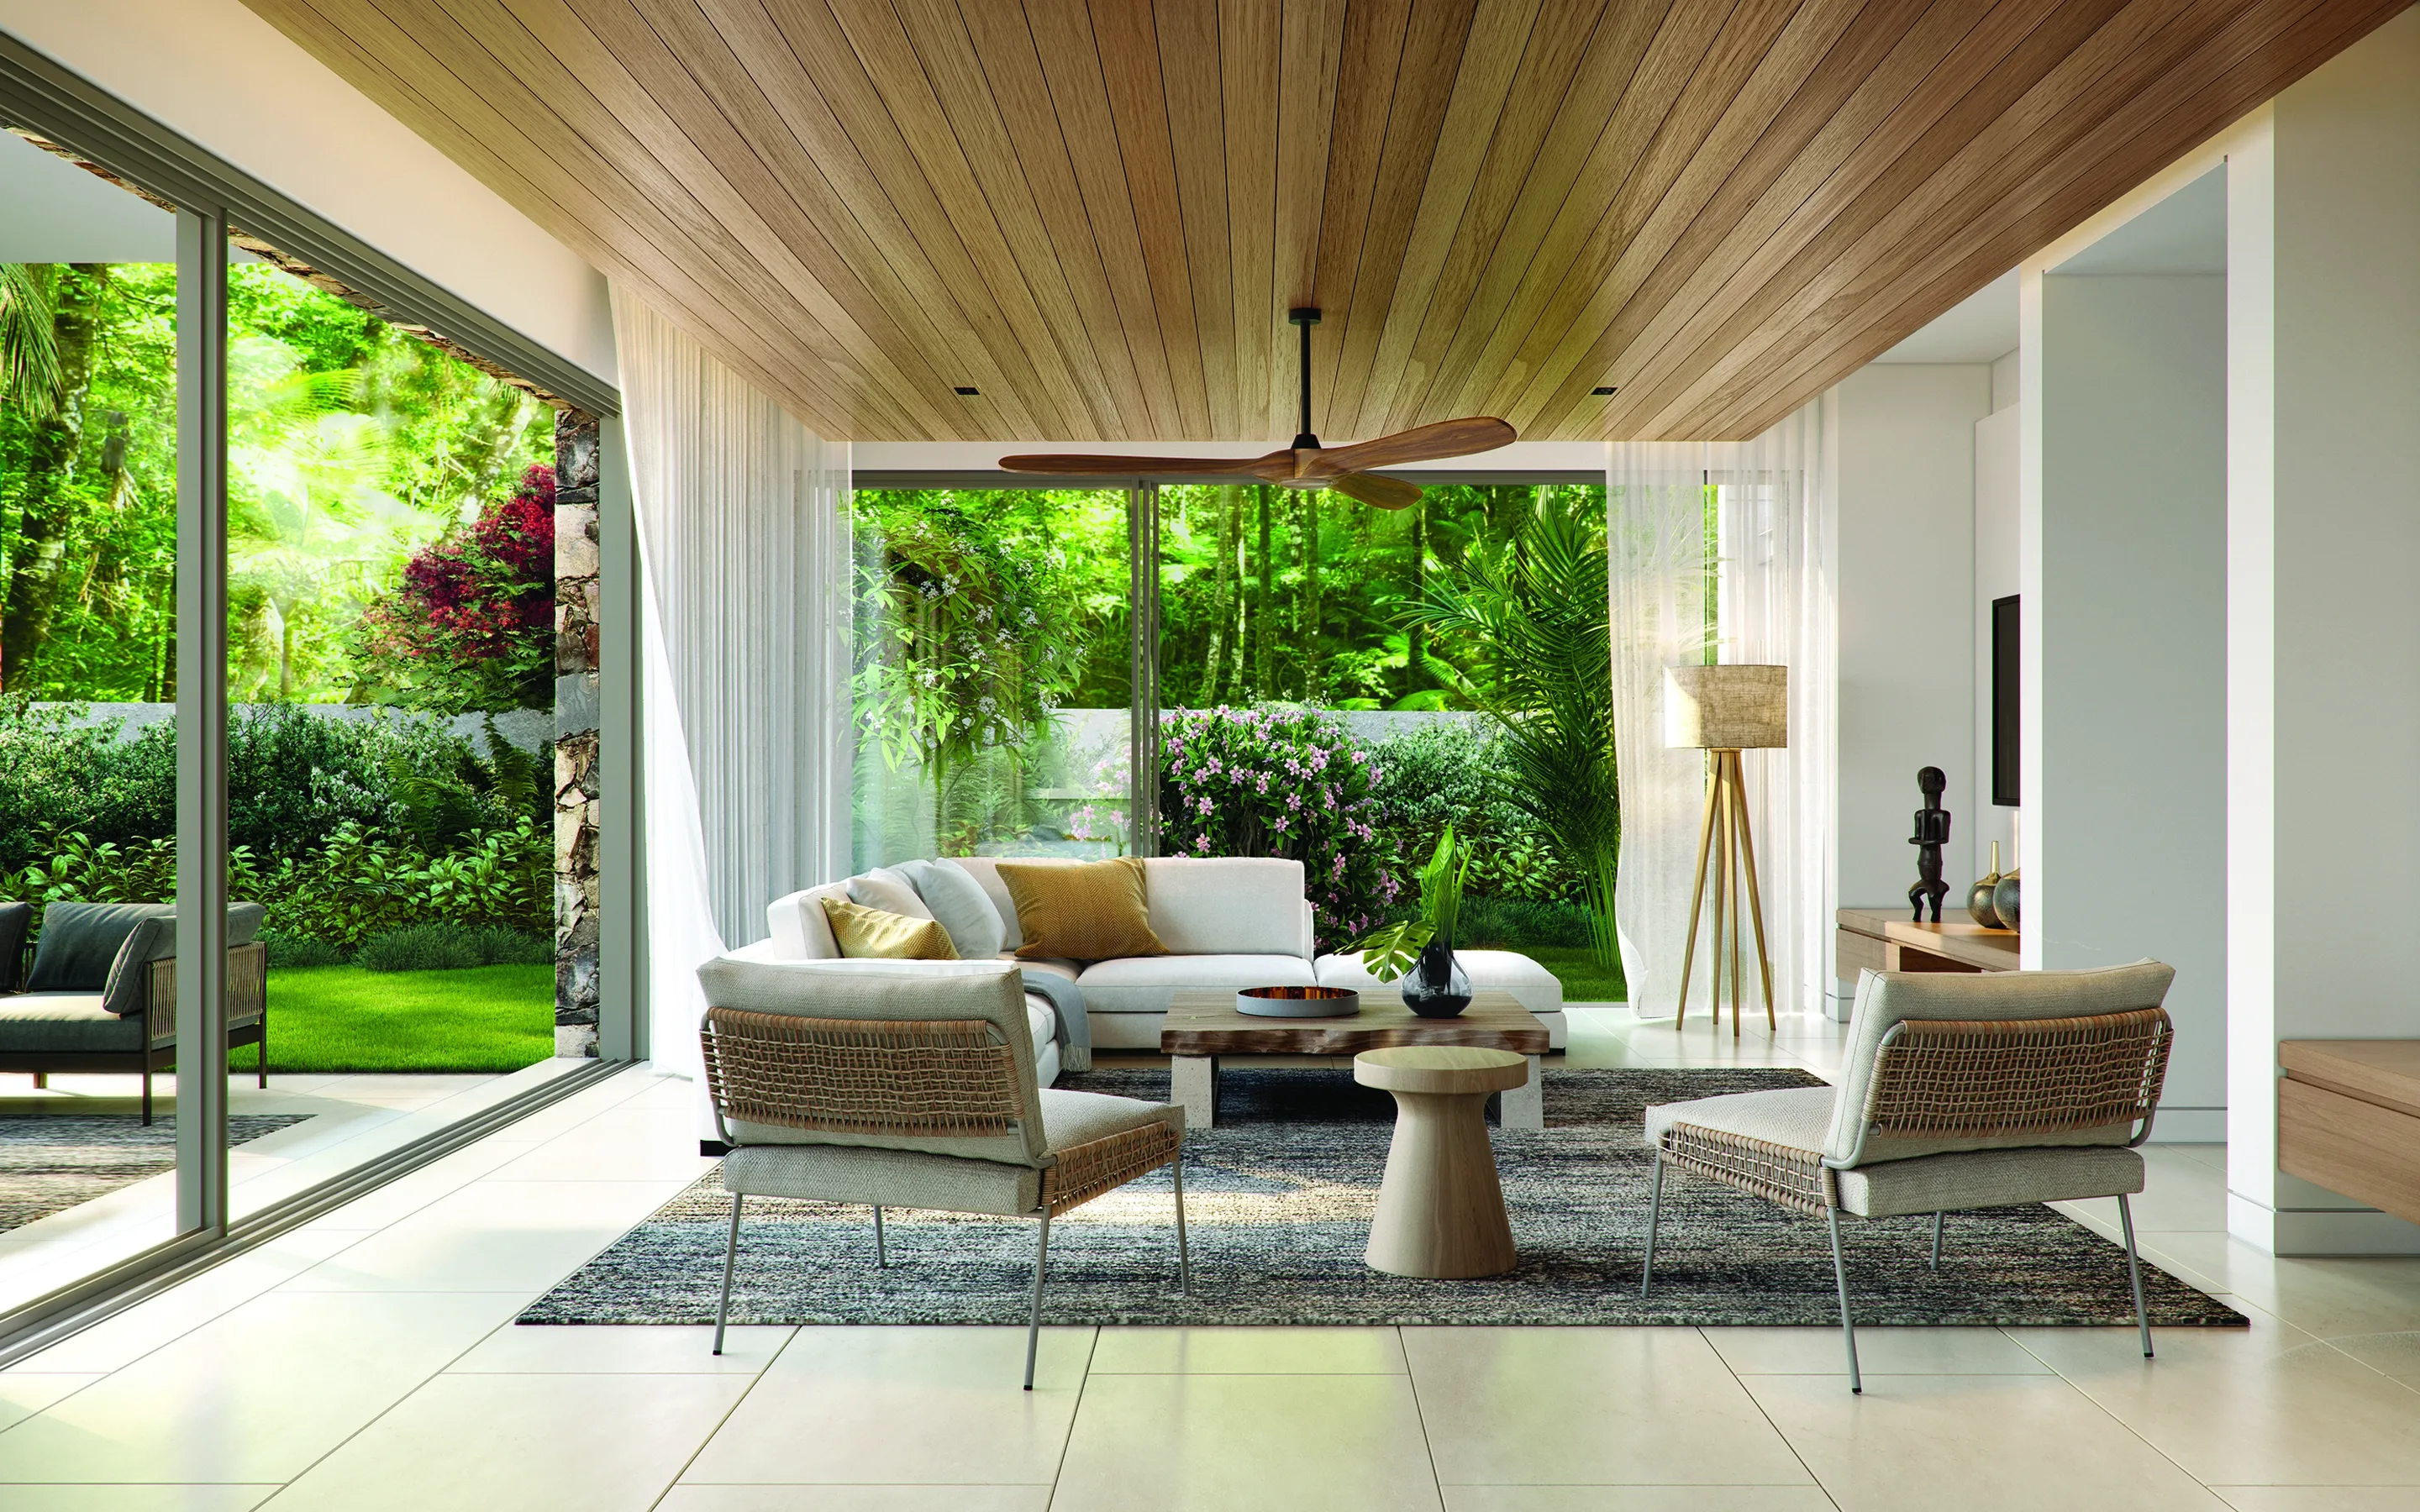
(1422, 443)
(1377, 492)
(1148, 466)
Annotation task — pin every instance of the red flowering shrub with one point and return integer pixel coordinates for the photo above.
(472, 625)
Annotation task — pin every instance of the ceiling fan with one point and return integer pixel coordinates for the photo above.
(1306, 464)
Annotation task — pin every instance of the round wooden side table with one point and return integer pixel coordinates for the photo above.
(1440, 1211)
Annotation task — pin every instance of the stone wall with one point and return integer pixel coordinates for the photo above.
(576, 732)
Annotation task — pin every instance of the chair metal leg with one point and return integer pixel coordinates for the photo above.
(2134, 1274)
(1184, 1259)
(1655, 1210)
(1936, 1241)
(1841, 1278)
(730, 1257)
(1033, 1327)
(880, 1259)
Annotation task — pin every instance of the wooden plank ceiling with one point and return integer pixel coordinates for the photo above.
(1096, 215)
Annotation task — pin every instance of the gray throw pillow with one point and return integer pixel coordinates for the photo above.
(888, 891)
(128, 985)
(81, 941)
(15, 921)
(959, 901)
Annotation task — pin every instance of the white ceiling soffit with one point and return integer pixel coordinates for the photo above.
(2183, 236)
(58, 213)
(1981, 328)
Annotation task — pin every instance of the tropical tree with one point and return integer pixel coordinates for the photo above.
(1534, 612)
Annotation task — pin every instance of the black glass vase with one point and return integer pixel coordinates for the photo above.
(1436, 987)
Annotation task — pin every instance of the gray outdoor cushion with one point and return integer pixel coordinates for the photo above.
(64, 1024)
(81, 941)
(15, 919)
(959, 901)
(129, 987)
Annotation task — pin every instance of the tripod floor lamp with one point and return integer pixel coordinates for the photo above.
(1724, 710)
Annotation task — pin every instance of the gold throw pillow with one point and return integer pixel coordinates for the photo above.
(1080, 910)
(869, 933)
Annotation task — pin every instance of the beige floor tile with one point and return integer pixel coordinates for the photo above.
(1925, 1352)
(492, 1235)
(24, 1393)
(107, 1498)
(255, 1396)
(2237, 1409)
(513, 1349)
(2019, 1443)
(903, 1406)
(125, 1337)
(2396, 1354)
(2179, 1195)
(2325, 1297)
(407, 1194)
(1590, 1407)
(1636, 1499)
(1269, 1352)
(856, 1499)
(522, 1443)
(2317, 1498)
(1250, 1443)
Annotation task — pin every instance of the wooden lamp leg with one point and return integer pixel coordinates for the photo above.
(1722, 888)
(1732, 796)
(1697, 901)
(1755, 902)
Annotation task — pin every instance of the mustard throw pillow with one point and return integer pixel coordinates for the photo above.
(1081, 910)
(863, 933)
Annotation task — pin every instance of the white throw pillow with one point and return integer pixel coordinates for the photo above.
(892, 893)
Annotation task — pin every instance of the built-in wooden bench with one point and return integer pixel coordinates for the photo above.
(2348, 1118)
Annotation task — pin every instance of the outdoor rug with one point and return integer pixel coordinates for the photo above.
(49, 1164)
(1279, 1200)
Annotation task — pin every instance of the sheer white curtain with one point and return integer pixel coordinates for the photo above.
(1775, 605)
(743, 536)
(1723, 552)
(1656, 578)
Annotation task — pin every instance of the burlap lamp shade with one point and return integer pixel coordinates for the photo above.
(1727, 707)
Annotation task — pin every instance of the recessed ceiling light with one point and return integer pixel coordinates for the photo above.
(1599, 392)
(968, 391)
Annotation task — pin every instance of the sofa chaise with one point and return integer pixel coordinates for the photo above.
(1226, 921)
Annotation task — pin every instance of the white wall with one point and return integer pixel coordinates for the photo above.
(2128, 806)
(1906, 594)
(1997, 576)
(2323, 628)
(228, 80)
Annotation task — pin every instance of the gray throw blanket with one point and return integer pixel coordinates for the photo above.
(1074, 1035)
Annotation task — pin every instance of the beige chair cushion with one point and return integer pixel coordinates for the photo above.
(870, 934)
(1885, 997)
(1144, 984)
(905, 1178)
(986, 990)
(1081, 910)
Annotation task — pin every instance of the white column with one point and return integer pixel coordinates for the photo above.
(2323, 545)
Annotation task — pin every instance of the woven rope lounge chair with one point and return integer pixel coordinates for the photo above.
(841, 1084)
(1959, 1093)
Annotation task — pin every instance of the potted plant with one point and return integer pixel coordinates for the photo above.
(1419, 951)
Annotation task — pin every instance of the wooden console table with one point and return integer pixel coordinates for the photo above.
(1885, 940)
(2348, 1118)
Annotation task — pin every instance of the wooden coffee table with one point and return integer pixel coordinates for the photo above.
(1203, 1025)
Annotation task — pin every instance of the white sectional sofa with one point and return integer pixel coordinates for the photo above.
(1228, 922)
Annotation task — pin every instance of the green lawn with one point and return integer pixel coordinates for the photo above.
(345, 1018)
(1582, 979)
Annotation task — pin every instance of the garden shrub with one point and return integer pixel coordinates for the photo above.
(471, 625)
(452, 947)
(1517, 923)
(1281, 781)
(1455, 772)
(299, 951)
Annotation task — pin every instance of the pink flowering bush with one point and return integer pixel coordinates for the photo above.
(1282, 782)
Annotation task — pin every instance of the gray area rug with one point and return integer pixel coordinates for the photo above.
(1280, 1202)
(49, 1164)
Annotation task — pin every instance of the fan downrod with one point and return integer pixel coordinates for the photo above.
(1304, 317)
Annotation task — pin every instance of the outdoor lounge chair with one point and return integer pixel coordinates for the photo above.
(1957, 1092)
(98, 991)
(842, 1084)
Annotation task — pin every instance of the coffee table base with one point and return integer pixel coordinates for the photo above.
(1193, 1085)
